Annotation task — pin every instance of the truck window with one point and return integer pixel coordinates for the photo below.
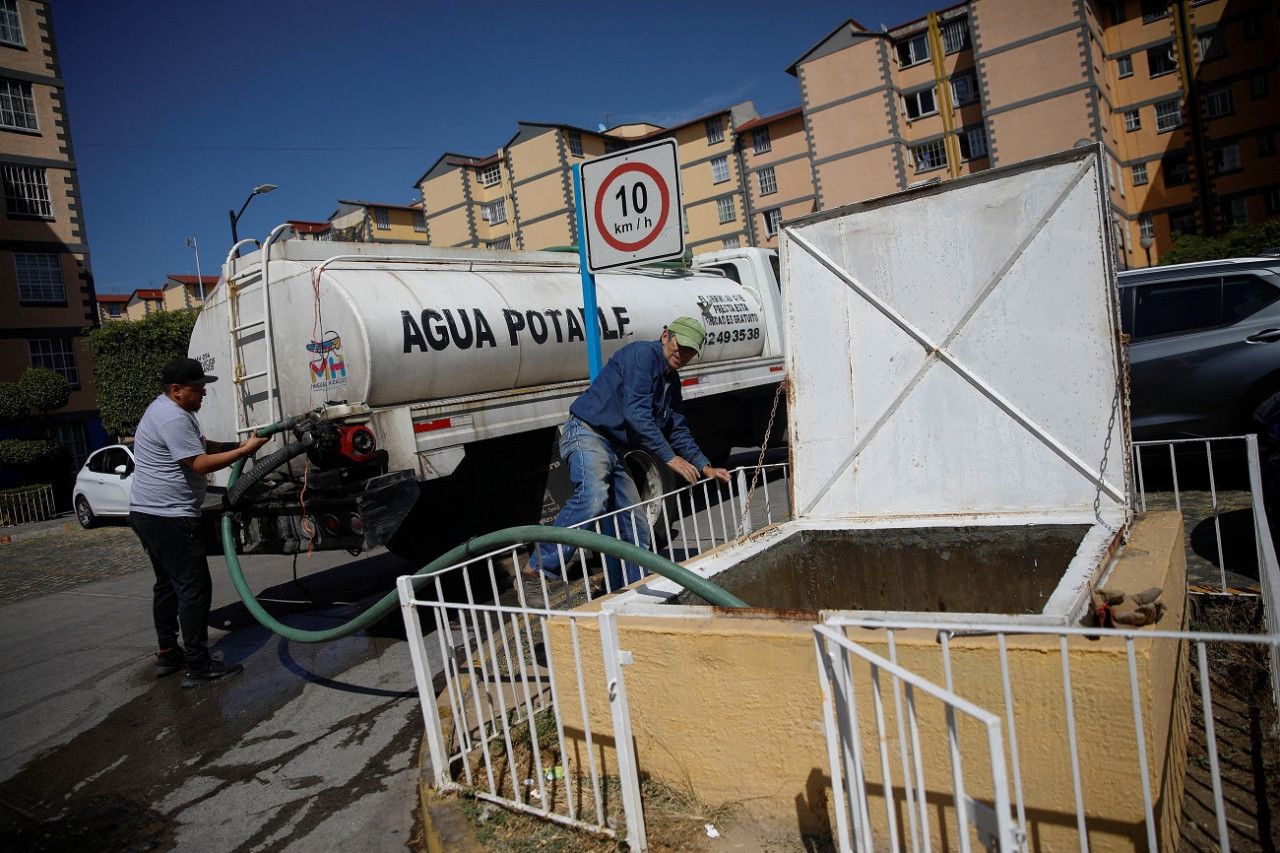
(730, 271)
(777, 270)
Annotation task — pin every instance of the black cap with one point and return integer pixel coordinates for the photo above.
(185, 371)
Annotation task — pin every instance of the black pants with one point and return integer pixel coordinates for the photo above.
(183, 590)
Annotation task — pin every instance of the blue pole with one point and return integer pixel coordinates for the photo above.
(591, 320)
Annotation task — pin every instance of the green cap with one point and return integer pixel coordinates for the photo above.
(688, 332)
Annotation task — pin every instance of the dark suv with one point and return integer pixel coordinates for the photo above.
(1204, 345)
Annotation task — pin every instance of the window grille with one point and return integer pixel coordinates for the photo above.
(419, 221)
(72, 438)
(504, 243)
(26, 192)
(724, 207)
(931, 155)
(1218, 103)
(1146, 226)
(575, 143)
(39, 278)
(964, 89)
(491, 174)
(1132, 120)
(720, 169)
(760, 141)
(1139, 174)
(1213, 45)
(1124, 66)
(382, 218)
(495, 212)
(772, 221)
(10, 23)
(1227, 158)
(1169, 114)
(57, 354)
(955, 35)
(768, 181)
(715, 130)
(1235, 212)
(731, 242)
(973, 143)
(17, 108)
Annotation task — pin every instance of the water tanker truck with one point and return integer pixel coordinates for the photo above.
(422, 389)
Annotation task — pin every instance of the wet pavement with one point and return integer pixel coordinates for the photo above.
(314, 746)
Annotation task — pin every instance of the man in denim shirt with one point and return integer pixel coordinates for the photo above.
(633, 403)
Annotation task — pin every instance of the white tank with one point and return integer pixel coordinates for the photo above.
(387, 333)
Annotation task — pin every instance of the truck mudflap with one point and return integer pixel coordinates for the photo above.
(360, 517)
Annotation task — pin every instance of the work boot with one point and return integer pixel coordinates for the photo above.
(213, 670)
(168, 661)
(531, 584)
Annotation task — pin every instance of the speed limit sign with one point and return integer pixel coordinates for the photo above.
(631, 207)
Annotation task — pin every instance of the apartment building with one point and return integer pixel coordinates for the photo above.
(773, 156)
(46, 287)
(373, 222)
(113, 306)
(186, 292)
(1181, 94)
(522, 197)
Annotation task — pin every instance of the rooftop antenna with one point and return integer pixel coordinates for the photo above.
(608, 120)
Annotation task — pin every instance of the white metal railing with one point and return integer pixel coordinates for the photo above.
(24, 507)
(484, 652)
(1219, 663)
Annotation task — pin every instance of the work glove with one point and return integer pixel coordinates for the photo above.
(1113, 608)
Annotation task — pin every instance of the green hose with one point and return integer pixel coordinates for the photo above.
(509, 537)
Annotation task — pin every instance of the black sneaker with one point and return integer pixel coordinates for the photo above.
(168, 661)
(214, 670)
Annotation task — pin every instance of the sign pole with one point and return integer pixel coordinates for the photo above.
(590, 321)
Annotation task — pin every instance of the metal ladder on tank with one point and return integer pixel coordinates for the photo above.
(243, 373)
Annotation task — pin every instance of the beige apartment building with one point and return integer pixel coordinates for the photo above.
(46, 288)
(522, 196)
(371, 222)
(1181, 93)
(773, 154)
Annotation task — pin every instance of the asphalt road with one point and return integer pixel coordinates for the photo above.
(313, 747)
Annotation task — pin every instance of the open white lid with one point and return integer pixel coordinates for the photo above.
(954, 350)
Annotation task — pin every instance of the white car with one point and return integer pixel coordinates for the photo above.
(103, 484)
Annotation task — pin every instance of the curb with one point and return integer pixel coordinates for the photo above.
(445, 829)
(61, 524)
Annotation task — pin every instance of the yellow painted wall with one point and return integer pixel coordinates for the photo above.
(729, 708)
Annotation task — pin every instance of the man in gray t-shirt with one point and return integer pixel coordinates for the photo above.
(171, 461)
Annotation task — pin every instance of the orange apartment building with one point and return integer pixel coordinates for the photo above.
(46, 287)
(1181, 94)
(521, 197)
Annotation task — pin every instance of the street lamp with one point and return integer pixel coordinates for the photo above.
(191, 241)
(1146, 243)
(235, 217)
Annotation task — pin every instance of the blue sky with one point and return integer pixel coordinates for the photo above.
(178, 109)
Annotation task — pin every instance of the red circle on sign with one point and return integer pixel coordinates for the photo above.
(621, 245)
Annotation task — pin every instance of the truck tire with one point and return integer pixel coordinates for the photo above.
(652, 479)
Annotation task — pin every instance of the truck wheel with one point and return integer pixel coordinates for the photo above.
(653, 479)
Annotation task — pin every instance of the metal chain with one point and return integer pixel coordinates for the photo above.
(764, 446)
(1121, 398)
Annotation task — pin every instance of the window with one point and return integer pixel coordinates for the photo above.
(1266, 143)
(724, 207)
(1139, 174)
(71, 437)
(772, 221)
(1154, 10)
(1258, 88)
(575, 143)
(1235, 212)
(26, 192)
(114, 309)
(1174, 307)
(1132, 120)
(1244, 296)
(504, 243)
(494, 212)
(964, 89)
(731, 242)
(17, 109)
(919, 103)
(1146, 227)
(760, 141)
(1213, 45)
(1182, 221)
(1273, 201)
(1118, 14)
(1168, 114)
(381, 218)
(1226, 158)
(1176, 168)
(611, 145)
(768, 181)
(973, 143)
(1160, 60)
(58, 355)
(913, 51)
(1124, 66)
(419, 222)
(10, 23)
(715, 130)
(491, 174)
(720, 169)
(931, 155)
(1218, 102)
(39, 278)
(955, 35)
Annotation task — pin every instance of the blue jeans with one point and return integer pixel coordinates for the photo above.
(601, 483)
